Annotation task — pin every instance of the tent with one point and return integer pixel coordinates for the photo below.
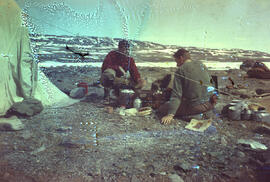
(20, 77)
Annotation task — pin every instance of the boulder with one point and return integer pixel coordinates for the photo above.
(77, 93)
(28, 107)
(263, 129)
(11, 124)
(175, 178)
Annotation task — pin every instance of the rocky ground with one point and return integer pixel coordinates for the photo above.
(83, 142)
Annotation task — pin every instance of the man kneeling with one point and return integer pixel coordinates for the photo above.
(119, 71)
(192, 93)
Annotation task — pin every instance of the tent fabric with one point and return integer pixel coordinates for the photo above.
(18, 70)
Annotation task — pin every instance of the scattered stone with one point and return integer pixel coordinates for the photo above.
(175, 178)
(241, 154)
(162, 173)
(77, 93)
(64, 129)
(211, 130)
(27, 107)
(26, 134)
(253, 144)
(11, 124)
(92, 97)
(89, 178)
(263, 129)
(109, 109)
(223, 141)
(182, 167)
(243, 125)
(69, 143)
(97, 90)
(135, 179)
(243, 93)
(40, 149)
(255, 162)
(149, 168)
(140, 166)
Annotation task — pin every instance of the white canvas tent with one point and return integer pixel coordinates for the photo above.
(19, 74)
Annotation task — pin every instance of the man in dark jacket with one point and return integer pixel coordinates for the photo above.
(119, 69)
(192, 91)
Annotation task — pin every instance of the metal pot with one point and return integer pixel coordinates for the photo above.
(246, 114)
(126, 97)
(234, 113)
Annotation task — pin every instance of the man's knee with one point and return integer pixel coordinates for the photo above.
(107, 77)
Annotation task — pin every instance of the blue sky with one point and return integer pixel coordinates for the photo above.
(208, 23)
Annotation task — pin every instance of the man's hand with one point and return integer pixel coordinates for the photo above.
(167, 119)
(122, 70)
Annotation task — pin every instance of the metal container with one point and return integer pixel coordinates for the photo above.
(234, 113)
(236, 101)
(240, 105)
(126, 97)
(137, 103)
(261, 116)
(246, 114)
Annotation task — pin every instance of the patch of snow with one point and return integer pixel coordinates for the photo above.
(212, 65)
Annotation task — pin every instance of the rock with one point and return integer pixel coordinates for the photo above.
(11, 124)
(241, 154)
(97, 90)
(77, 93)
(243, 93)
(182, 167)
(64, 129)
(211, 130)
(175, 178)
(252, 143)
(162, 173)
(109, 109)
(40, 149)
(149, 168)
(26, 134)
(66, 142)
(140, 166)
(92, 97)
(263, 129)
(135, 179)
(243, 125)
(89, 178)
(27, 107)
(223, 141)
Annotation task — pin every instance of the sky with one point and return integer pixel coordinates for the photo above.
(218, 24)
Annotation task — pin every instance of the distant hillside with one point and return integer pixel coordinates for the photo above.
(53, 48)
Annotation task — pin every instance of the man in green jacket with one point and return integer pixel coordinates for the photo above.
(192, 91)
